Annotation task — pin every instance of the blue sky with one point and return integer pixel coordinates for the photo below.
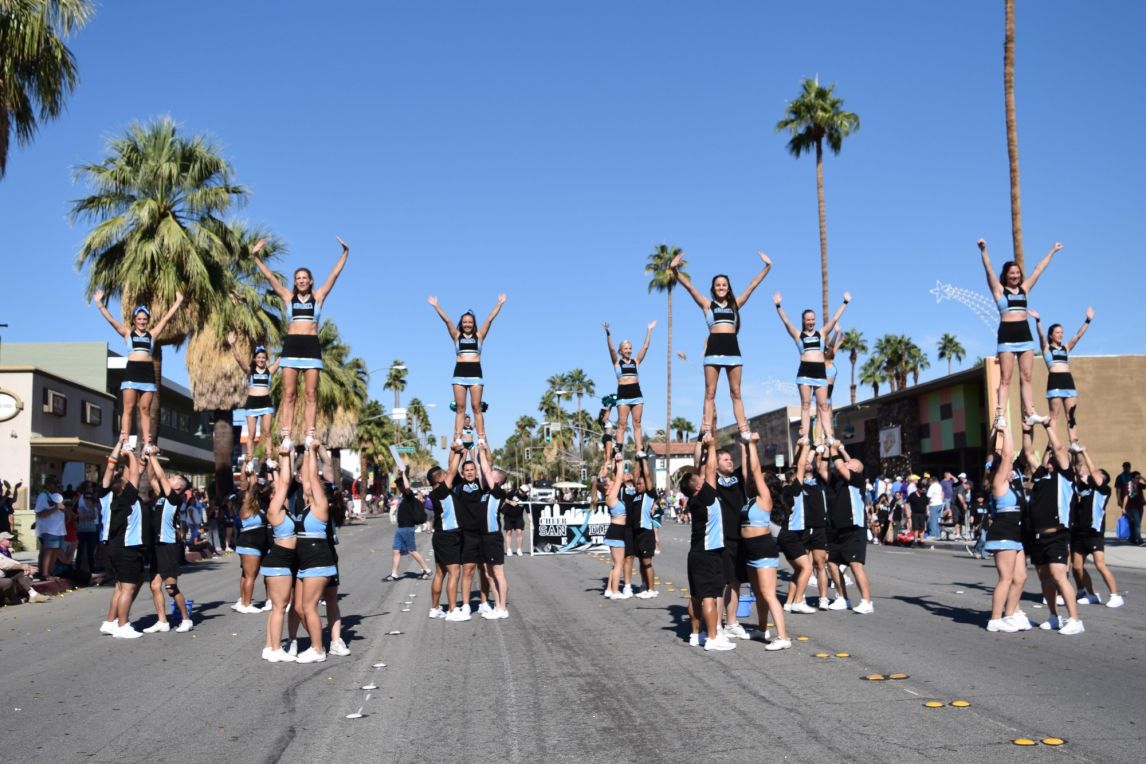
(543, 149)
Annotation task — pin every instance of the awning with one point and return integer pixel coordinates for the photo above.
(70, 449)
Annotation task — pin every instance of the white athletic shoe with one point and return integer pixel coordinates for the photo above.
(484, 608)
(158, 626)
(647, 594)
(1076, 447)
(267, 653)
(308, 442)
(609, 595)
(292, 648)
(267, 607)
(787, 607)
(1115, 601)
(466, 608)
(520, 553)
(238, 606)
(458, 442)
(1089, 599)
(627, 591)
(127, 631)
(185, 626)
(481, 442)
(250, 609)
(824, 603)
(458, 614)
(1019, 620)
(641, 454)
(839, 603)
(437, 612)
(284, 447)
(338, 647)
(1051, 623)
(1000, 422)
(489, 615)
(864, 607)
(271, 464)
(278, 656)
(310, 655)
(1072, 626)
(802, 607)
(1001, 624)
(35, 596)
(108, 627)
(694, 640)
(1034, 419)
(778, 644)
(719, 642)
(502, 613)
(736, 630)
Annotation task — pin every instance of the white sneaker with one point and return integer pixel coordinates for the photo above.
(127, 631)
(158, 626)
(627, 591)
(1115, 601)
(267, 607)
(502, 613)
(653, 593)
(694, 640)
(1034, 419)
(609, 595)
(1076, 447)
(278, 656)
(736, 630)
(310, 655)
(719, 642)
(338, 647)
(267, 653)
(108, 627)
(484, 608)
(864, 608)
(437, 612)
(35, 596)
(1001, 624)
(308, 442)
(802, 607)
(1019, 620)
(824, 603)
(1051, 623)
(458, 614)
(292, 648)
(489, 615)
(839, 603)
(641, 454)
(458, 442)
(1089, 599)
(466, 608)
(285, 447)
(1072, 626)
(1000, 422)
(778, 644)
(644, 595)
(250, 609)
(185, 626)
(238, 606)
(271, 464)
(787, 607)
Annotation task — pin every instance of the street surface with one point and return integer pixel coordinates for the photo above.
(572, 677)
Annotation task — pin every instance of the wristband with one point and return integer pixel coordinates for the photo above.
(1088, 320)
(846, 302)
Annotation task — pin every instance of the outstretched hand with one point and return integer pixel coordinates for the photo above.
(258, 246)
(676, 261)
(1033, 314)
(501, 299)
(232, 338)
(432, 300)
(777, 298)
(1057, 246)
(767, 260)
(1090, 314)
(606, 325)
(982, 245)
(345, 246)
(847, 296)
(651, 325)
(98, 297)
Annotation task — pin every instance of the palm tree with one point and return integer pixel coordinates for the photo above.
(873, 372)
(663, 278)
(916, 360)
(580, 385)
(396, 379)
(949, 348)
(682, 427)
(218, 384)
(374, 436)
(853, 344)
(1012, 127)
(891, 350)
(813, 117)
(37, 71)
(157, 200)
(523, 431)
(418, 418)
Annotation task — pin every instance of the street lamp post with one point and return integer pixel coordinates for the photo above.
(560, 421)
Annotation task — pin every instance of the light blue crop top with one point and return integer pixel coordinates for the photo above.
(618, 510)
(1012, 302)
(755, 516)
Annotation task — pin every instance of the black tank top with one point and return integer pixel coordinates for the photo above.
(303, 311)
(811, 342)
(261, 378)
(142, 342)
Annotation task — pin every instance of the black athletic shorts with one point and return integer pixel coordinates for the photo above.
(447, 546)
(164, 560)
(815, 538)
(791, 544)
(1050, 548)
(756, 552)
(847, 545)
(645, 542)
(471, 547)
(315, 558)
(125, 563)
(513, 524)
(706, 573)
(630, 542)
(1088, 543)
(493, 549)
(918, 523)
(731, 549)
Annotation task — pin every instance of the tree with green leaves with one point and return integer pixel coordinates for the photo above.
(950, 349)
(814, 118)
(663, 277)
(682, 427)
(37, 70)
(853, 344)
(874, 372)
(916, 361)
(157, 201)
(396, 380)
(579, 383)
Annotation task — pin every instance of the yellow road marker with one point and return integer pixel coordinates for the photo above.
(933, 704)
(802, 639)
(874, 677)
(843, 655)
(897, 676)
(960, 704)
(1023, 741)
(823, 655)
(1055, 741)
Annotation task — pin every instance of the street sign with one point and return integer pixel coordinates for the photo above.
(404, 449)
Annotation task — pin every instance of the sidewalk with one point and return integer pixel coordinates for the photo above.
(1119, 554)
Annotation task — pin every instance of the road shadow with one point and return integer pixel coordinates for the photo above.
(957, 614)
(349, 622)
(679, 625)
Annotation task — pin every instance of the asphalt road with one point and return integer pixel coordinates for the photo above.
(571, 677)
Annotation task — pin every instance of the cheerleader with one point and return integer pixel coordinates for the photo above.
(468, 341)
(139, 383)
(812, 344)
(258, 406)
(629, 398)
(1061, 392)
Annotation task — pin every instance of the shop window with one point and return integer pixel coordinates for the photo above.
(93, 414)
(55, 403)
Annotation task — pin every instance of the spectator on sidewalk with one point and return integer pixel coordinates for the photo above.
(1121, 483)
(14, 576)
(87, 527)
(51, 525)
(917, 501)
(934, 505)
(8, 495)
(1135, 499)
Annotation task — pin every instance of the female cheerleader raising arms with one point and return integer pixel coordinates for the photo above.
(629, 398)
(468, 340)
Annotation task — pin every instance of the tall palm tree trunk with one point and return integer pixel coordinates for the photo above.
(823, 225)
(153, 413)
(1012, 129)
(949, 366)
(668, 391)
(853, 359)
(580, 432)
(223, 443)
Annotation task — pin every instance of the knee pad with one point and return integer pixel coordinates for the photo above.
(1071, 420)
(484, 407)
(172, 589)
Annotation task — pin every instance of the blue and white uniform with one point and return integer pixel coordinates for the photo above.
(811, 373)
(315, 554)
(302, 351)
(628, 393)
(1014, 336)
(1060, 384)
(258, 393)
(1005, 532)
(139, 374)
(722, 348)
(467, 371)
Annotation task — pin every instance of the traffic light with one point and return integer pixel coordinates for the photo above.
(584, 473)
(443, 441)
(528, 454)
(548, 434)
